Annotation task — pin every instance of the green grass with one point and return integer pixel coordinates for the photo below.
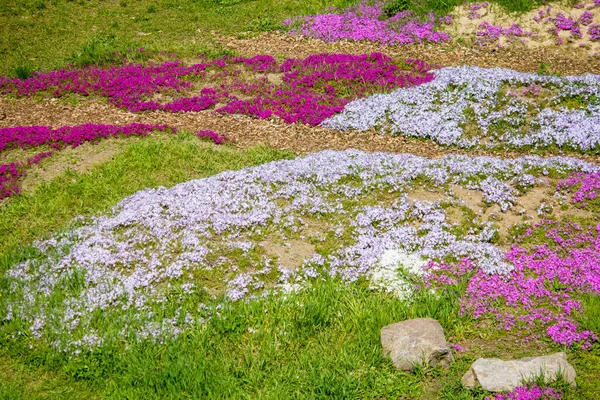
(46, 34)
(321, 343)
(19, 381)
(443, 7)
(158, 160)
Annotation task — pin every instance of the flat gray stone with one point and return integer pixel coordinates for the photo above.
(416, 341)
(496, 375)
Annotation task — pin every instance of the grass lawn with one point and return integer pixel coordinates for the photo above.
(45, 34)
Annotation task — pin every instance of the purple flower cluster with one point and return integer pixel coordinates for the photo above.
(11, 174)
(587, 185)
(474, 9)
(500, 107)
(568, 23)
(318, 87)
(215, 137)
(132, 265)
(533, 392)
(540, 292)
(308, 90)
(594, 32)
(488, 33)
(25, 137)
(364, 22)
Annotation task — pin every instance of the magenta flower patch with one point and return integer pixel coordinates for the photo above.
(298, 90)
(541, 292)
(215, 137)
(587, 187)
(533, 392)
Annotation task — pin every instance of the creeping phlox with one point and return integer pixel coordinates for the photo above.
(588, 187)
(297, 90)
(532, 392)
(473, 107)
(166, 259)
(365, 21)
(539, 292)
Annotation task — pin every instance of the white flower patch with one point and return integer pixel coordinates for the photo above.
(494, 100)
(394, 271)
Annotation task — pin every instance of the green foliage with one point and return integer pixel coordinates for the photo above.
(443, 7)
(590, 318)
(107, 49)
(19, 381)
(23, 71)
(265, 24)
(397, 6)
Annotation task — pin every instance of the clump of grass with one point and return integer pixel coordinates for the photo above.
(23, 71)
(108, 49)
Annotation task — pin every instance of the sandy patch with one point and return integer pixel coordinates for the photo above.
(290, 253)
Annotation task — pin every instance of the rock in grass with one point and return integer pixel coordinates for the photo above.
(419, 341)
(496, 375)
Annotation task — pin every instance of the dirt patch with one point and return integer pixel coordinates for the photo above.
(426, 195)
(471, 198)
(246, 131)
(493, 343)
(291, 253)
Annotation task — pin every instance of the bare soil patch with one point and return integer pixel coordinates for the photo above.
(291, 253)
(79, 159)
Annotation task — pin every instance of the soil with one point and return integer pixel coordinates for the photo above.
(541, 37)
(79, 159)
(243, 130)
(290, 254)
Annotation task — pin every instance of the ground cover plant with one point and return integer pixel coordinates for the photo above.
(306, 90)
(166, 261)
(364, 22)
(472, 107)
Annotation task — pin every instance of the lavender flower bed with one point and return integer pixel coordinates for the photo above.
(472, 107)
(141, 272)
